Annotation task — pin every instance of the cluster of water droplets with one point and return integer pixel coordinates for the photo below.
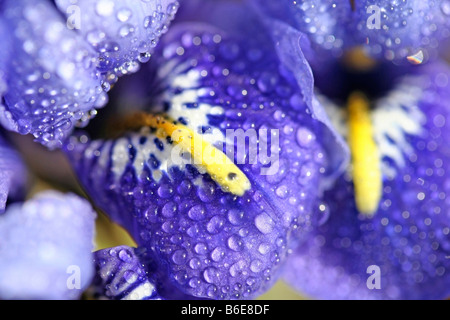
(215, 244)
(321, 20)
(390, 29)
(52, 77)
(124, 33)
(59, 74)
(406, 27)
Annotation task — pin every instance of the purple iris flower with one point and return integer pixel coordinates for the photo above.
(401, 249)
(209, 229)
(229, 160)
(387, 235)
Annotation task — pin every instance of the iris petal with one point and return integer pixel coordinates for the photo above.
(122, 32)
(52, 77)
(325, 22)
(46, 248)
(388, 29)
(212, 243)
(4, 56)
(395, 30)
(408, 238)
(295, 52)
(12, 170)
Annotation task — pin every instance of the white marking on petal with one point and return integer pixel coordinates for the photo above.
(144, 290)
(118, 285)
(171, 75)
(120, 157)
(394, 118)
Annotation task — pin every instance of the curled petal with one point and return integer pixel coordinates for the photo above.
(211, 242)
(13, 174)
(123, 33)
(52, 76)
(293, 50)
(402, 252)
(46, 248)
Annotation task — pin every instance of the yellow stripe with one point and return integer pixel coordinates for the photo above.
(367, 178)
(221, 169)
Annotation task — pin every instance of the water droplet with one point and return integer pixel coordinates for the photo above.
(305, 137)
(256, 265)
(211, 275)
(235, 243)
(251, 281)
(144, 57)
(148, 22)
(179, 256)
(185, 187)
(124, 14)
(243, 232)
(169, 210)
(218, 254)
(215, 225)
(194, 263)
(237, 268)
(264, 223)
(264, 248)
(194, 282)
(236, 217)
(165, 191)
(125, 255)
(172, 8)
(193, 231)
(201, 248)
(282, 192)
(211, 291)
(126, 30)
(130, 276)
(197, 212)
(168, 227)
(445, 7)
(105, 8)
